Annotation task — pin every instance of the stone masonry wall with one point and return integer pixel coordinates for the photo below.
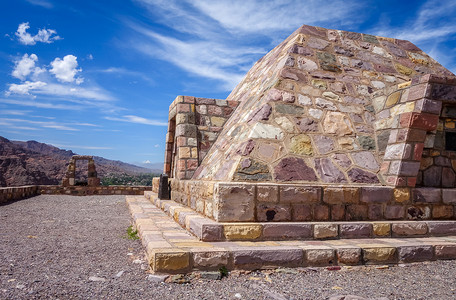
(306, 112)
(194, 125)
(261, 202)
(18, 193)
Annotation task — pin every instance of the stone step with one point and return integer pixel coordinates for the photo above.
(172, 249)
(209, 230)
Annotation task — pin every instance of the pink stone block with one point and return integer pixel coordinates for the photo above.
(445, 251)
(255, 257)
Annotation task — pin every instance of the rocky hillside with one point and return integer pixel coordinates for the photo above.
(31, 162)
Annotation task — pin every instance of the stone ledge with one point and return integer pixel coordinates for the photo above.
(280, 202)
(172, 249)
(208, 230)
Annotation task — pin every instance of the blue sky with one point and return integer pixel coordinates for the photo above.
(97, 77)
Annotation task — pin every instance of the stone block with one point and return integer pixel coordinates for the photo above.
(395, 212)
(407, 254)
(440, 228)
(263, 257)
(442, 212)
(376, 194)
(268, 193)
(426, 195)
(321, 213)
(379, 255)
(210, 259)
(418, 213)
(401, 195)
(319, 257)
(246, 231)
(381, 229)
(170, 261)
(356, 212)
(266, 212)
(325, 231)
(340, 195)
(348, 256)
(449, 196)
(337, 212)
(297, 194)
(355, 231)
(287, 231)
(409, 229)
(301, 212)
(445, 251)
(375, 212)
(234, 203)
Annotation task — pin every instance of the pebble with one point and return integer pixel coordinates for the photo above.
(119, 274)
(157, 278)
(95, 278)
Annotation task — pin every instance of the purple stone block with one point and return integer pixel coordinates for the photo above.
(414, 253)
(427, 195)
(376, 194)
(437, 228)
(355, 231)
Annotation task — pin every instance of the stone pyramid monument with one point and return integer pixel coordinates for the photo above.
(328, 126)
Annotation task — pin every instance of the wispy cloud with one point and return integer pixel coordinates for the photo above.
(31, 103)
(42, 124)
(126, 72)
(213, 39)
(67, 146)
(42, 3)
(14, 112)
(137, 120)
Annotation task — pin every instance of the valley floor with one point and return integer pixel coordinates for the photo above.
(76, 248)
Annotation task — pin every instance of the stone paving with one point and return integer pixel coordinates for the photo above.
(172, 249)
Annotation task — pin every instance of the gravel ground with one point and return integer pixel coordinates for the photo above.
(75, 248)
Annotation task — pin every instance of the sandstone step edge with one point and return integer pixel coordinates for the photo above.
(209, 230)
(166, 257)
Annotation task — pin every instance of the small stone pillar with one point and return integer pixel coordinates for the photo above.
(163, 188)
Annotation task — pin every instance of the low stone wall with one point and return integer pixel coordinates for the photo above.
(98, 190)
(245, 202)
(17, 193)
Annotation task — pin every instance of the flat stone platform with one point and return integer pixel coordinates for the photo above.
(172, 249)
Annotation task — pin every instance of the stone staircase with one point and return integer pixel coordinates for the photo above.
(179, 240)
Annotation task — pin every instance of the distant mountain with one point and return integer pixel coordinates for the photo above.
(31, 162)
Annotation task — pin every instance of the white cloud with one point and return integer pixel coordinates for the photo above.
(24, 88)
(65, 69)
(42, 3)
(25, 66)
(137, 120)
(44, 35)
